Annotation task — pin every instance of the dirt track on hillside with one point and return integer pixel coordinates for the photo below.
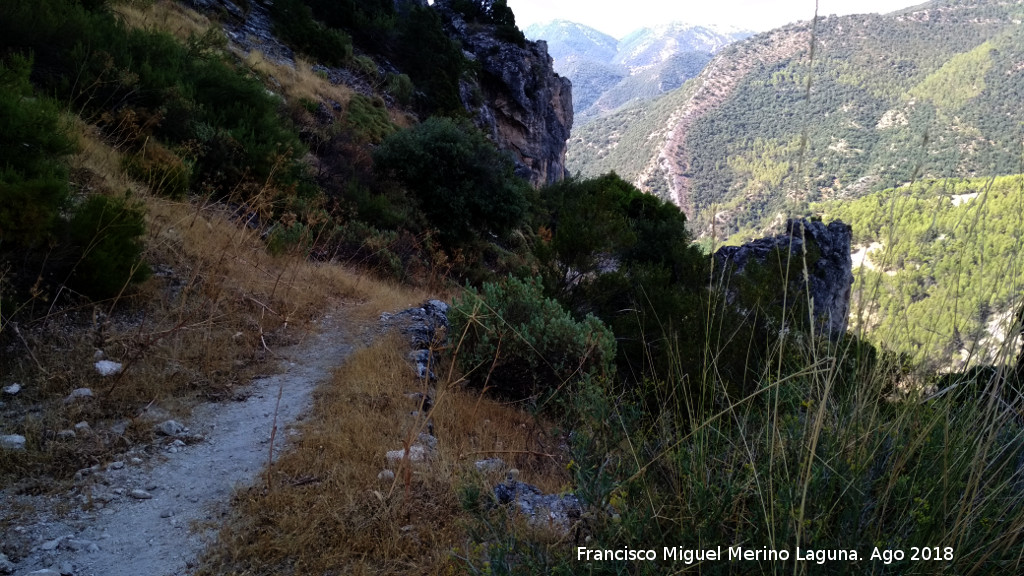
(154, 512)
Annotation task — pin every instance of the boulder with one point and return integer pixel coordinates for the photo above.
(558, 511)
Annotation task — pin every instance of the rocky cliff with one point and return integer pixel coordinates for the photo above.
(830, 267)
(516, 97)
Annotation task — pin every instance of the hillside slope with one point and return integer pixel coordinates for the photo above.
(764, 129)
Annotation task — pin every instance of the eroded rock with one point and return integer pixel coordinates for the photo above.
(517, 98)
(830, 267)
(558, 511)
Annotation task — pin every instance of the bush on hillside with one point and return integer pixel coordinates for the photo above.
(107, 233)
(294, 23)
(466, 187)
(625, 256)
(523, 344)
(33, 144)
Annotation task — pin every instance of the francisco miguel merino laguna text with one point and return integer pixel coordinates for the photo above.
(732, 554)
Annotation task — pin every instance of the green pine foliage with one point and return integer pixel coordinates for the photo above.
(945, 264)
(106, 232)
(33, 175)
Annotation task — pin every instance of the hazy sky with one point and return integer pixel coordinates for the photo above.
(619, 17)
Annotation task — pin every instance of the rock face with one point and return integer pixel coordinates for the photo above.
(830, 277)
(517, 98)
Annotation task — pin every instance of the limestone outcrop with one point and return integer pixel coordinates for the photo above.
(517, 99)
(830, 267)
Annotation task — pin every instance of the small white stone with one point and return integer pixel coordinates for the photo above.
(386, 476)
(83, 426)
(79, 394)
(108, 367)
(12, 442)
(140, 494)
(66, 434)
(170, 428)
(12, 389)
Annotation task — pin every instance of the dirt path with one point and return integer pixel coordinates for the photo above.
(157, 511)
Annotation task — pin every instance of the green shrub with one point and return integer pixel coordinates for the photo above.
(365, 66)
(160, 169)
(369, 118)
(33, 144)
(465, 186)
(289, 239)
(523, 344)
(400, 87)
(625, 256)
(92, 60)
(107, 233)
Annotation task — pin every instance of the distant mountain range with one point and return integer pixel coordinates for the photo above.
(769, 125)
(607, 73)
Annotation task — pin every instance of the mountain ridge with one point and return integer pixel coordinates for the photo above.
(608, 73)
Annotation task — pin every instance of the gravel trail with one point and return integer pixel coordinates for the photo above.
(156, 512)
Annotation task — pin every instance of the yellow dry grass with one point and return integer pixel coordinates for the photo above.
(299, 82)
(327, 512)
(100, 160)
(165, 15)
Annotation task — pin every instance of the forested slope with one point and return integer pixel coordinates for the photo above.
(765, 129)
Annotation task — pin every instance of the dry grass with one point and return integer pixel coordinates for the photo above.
(299, 82)
(100, 161)
(328, 513)
(165, 15)
(209, 320)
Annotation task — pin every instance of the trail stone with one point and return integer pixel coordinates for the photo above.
(549, 510)
(66, 434)
(116, 465)
(490, 465)
(76, 545)
(82, 427)
(170, 428)
(417, 453)
(108, 367)
(139, 494)
(12, 389)
(79, 394)
(12, 442)
(386, 476)
(51, 544)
